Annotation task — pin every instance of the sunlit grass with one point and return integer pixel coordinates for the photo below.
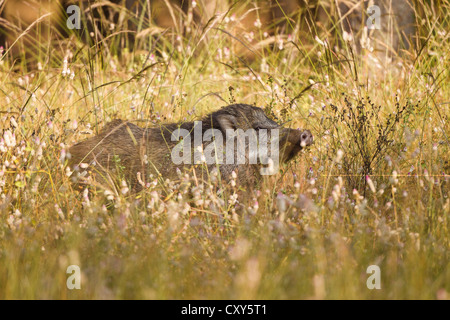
(309, 232)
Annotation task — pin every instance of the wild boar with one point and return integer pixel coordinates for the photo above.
(238, 138)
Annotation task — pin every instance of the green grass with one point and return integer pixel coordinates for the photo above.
(309, 232)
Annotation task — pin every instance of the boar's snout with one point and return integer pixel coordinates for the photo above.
(306, 138)
(293, 141)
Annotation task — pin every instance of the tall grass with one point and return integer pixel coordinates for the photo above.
(372, 190)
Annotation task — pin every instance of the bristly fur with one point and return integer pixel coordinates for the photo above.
(124, 149)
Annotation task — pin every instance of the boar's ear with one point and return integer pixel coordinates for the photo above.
(226, 121)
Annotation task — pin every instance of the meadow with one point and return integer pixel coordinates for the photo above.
(373, 189)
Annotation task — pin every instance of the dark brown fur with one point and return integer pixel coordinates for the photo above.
(148, 151)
